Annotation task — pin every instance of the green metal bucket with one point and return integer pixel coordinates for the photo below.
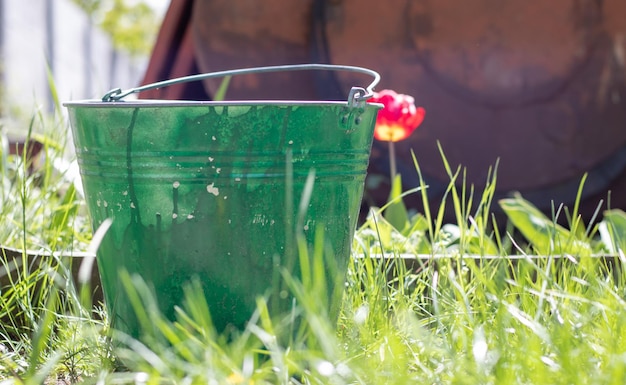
(211, 191)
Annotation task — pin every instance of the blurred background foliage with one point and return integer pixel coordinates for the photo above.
(132, 25)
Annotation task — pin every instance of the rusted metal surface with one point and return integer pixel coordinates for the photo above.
(12, 261)
(174, 55)
(541, 86)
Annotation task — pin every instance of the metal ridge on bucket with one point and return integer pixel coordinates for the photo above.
(199, 103)
(198, 167)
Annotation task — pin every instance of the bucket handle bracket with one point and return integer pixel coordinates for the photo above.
(356, 99)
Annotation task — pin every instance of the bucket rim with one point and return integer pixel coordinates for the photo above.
(94, 103)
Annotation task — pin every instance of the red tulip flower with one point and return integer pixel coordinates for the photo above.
(399, 118)
(396, 121)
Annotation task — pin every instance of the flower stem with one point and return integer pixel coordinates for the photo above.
(392, 161)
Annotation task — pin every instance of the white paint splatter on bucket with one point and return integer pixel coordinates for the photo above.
(211, 189)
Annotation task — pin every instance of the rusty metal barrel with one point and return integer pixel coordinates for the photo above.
(539, 87)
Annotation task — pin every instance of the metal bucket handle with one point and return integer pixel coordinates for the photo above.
(356, 98)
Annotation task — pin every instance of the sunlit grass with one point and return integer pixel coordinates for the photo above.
(465, 312)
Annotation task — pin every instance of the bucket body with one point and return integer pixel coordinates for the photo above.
(211, 191)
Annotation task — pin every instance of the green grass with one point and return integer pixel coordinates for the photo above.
(555, 314)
